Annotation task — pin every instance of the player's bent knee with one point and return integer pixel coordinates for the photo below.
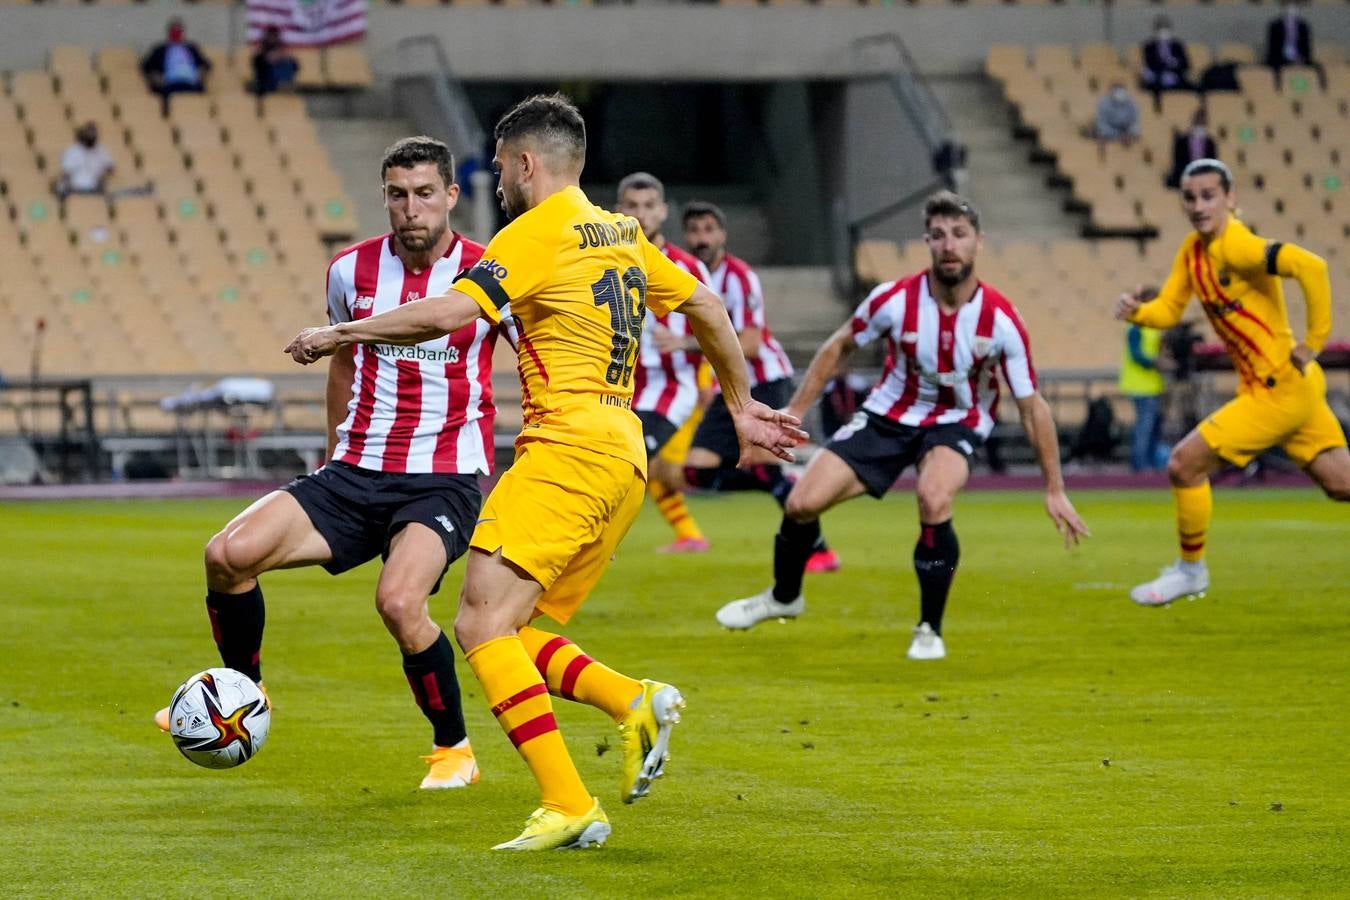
(935, 505)
(800, 507)
(399, 606)
(231, 557)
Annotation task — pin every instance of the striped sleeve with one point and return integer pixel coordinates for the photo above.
(1011, 335)
(877, 314)
(338, 311)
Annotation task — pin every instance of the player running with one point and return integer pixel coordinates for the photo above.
(714, 443)
(947, 333)
(1281, 396)
(409, 432)
(665, 382)
(578, 280)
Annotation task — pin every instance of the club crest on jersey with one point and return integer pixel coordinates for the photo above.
(946, 339)
(363, 302)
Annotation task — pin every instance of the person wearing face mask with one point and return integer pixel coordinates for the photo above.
(1166, 65)
(1194, 143)
(176, 65)
(86, 164)
(1117, 117)
(1289, 41)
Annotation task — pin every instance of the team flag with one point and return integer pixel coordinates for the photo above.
(308, 23)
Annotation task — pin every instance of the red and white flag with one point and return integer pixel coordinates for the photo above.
(308, 23)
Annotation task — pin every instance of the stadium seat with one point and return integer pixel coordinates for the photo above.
(1230, 52)
(310, 74)
(347, 67)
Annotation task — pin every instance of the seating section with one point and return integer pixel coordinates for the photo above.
(1284, 142)
(211, 271)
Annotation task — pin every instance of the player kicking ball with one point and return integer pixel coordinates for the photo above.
(407, 440)
(948, 334)
(1282, 393)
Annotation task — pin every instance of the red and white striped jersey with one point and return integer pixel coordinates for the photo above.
(667, 383)
(940, 366)
(423, 408)
(739, 286)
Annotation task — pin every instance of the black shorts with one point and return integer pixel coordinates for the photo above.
(657, 431)
(358, 511)
(878, 450)
(717, 432)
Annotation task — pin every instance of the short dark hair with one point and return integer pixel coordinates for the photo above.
(1205, 166)
(950, 205)
(410, 151)
(697, 209)
(552, 118)
(640, 181)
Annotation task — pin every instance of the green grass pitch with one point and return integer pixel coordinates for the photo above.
(1071, 745)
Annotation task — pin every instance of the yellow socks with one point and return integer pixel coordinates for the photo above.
(573, 675)
(522, 706)
(673, 509)
(1195, 505)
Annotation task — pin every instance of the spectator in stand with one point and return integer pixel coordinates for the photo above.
(1289, 41)
(274, 67)
(1141, 380)
(86, 164)
(176, 66)
(1117, 118)
(1194, 143)
(1166, 65)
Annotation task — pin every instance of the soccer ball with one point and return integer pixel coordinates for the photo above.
(219, 718)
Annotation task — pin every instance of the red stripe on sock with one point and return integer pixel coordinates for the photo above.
(433, 691)
(546, 654)
(215, 623)
(532, 729)
(533, 690)
(571, 674)
(1191, 548)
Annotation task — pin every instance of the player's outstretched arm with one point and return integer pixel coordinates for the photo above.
(756, 424)
(411, 323)
(1040, 428)
(824, 366)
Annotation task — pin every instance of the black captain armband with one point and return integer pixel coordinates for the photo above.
(485, 279)
(1272, 251)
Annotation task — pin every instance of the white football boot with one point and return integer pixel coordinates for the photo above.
(1189, 580)
(927, 643)
(750, 611)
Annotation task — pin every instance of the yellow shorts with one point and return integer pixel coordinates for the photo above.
(676, 450)
(1293, 415)
(559, 513)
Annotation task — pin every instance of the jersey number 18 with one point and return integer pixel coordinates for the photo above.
(625, 318)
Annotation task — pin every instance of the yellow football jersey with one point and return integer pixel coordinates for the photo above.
(578, 279)
(1237, 278)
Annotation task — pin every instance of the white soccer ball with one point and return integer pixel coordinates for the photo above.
(219, 718)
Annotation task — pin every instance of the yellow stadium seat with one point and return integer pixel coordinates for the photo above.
(1053, 60)
(1231, 52)
(1005, 60)
(310, 74)
(347, 66)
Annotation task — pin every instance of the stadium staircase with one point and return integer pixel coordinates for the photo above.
(1008, 188)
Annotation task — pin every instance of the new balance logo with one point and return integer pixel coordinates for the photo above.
(363, 303)
(446, 524)
(413, 295)
(965, 447)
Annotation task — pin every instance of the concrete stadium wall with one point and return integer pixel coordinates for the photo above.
(666, 41)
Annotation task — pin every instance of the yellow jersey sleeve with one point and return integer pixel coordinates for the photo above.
(668, 286)
(1310, 271)
(1165, 310)
(515, 264)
